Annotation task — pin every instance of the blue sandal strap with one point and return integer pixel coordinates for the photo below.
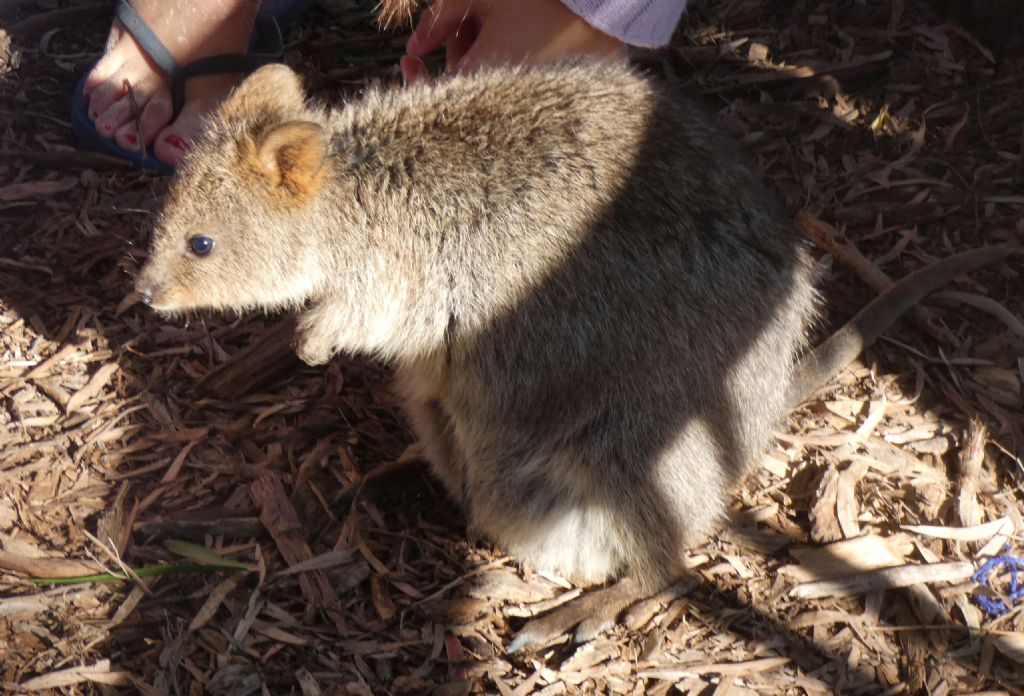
(269, 49)
(227, 63)
(148, 41)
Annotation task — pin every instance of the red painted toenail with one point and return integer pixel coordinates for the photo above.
(95, 114)
(177, 142)
(130, 137)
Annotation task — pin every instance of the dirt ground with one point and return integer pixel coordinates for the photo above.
(893, 131)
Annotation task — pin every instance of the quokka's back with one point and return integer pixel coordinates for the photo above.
(624, 307)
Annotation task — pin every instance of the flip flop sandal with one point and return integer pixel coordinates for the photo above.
(286, 12)
(266, 46)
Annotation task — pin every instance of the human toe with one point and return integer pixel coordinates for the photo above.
(114, 116)
(156, 114)
(104, 95)
(171, 145)
(127, 136)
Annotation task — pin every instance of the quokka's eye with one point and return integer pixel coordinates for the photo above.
(200, 245)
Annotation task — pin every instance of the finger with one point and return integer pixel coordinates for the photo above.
(486, 48)
(437, 23)
(461, 42)
(413, 70)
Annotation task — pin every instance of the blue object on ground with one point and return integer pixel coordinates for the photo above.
(995, 606)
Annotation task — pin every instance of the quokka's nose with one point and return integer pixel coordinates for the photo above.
(145, 289)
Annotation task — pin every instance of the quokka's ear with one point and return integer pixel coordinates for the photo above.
(290, 156)
(274, 90)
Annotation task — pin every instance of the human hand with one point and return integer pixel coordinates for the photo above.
(482, 32)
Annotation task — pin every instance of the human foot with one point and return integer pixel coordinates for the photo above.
(190, 30)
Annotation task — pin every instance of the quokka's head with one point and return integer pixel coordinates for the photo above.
(231, 235)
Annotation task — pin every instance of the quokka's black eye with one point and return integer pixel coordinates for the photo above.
(200, 245)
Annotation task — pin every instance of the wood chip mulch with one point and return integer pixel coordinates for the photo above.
(892, 130)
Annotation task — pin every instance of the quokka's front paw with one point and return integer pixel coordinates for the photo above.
(311, 346)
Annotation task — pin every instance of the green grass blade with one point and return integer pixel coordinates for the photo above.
(203, 556)
(146, 571)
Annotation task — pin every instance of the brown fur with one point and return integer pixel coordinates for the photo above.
(276, 93)
(592, 304)
(290, 156)
(396, 12)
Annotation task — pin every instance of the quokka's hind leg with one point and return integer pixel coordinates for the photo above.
(594, 612)
(591, 613)
(432, 425)
(386, 476)
(434, 450)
